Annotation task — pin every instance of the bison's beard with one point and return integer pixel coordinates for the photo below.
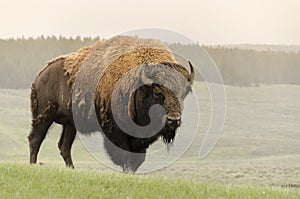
(168, 135)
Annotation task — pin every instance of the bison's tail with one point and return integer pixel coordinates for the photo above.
(37, 116)
(34, 101)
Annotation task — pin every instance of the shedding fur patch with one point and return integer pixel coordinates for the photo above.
(74, 60)
(46, 115)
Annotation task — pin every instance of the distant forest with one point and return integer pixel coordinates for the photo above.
(21, 59)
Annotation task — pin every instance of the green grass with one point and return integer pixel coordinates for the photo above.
(19, 181)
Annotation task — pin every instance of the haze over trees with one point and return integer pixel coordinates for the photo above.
(21, 59)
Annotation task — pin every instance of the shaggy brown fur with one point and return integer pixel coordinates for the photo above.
(74, 60)
(89, 77)
(111, 59)
(47, 115)
(125, 63)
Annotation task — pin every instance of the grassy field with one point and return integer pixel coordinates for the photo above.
(19, 181)
(259, 144)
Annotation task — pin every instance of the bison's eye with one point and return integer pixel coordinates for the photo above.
(157, 94)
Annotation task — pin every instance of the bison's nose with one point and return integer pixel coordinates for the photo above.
(173, 121)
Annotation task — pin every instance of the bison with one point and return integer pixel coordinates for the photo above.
(110, 87)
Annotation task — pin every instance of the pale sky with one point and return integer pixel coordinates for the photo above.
(206, 21)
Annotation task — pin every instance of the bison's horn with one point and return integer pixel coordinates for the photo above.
(192, 75)
(143, 75)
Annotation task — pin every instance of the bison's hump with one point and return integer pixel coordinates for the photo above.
(95, 70)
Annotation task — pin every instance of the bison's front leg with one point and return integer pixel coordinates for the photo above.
(134, 161)
(121, 155)
(65, 143)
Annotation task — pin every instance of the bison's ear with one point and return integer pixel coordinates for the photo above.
(144, 76)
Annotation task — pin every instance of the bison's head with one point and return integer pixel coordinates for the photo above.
(166, 84)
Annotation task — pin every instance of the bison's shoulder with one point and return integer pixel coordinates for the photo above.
(74, 60)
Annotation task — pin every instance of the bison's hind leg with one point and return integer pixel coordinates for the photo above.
(40, 124)
(65, 143)
(36, 138)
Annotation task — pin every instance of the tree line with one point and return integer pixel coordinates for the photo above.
(252, 68)
(21, 59)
